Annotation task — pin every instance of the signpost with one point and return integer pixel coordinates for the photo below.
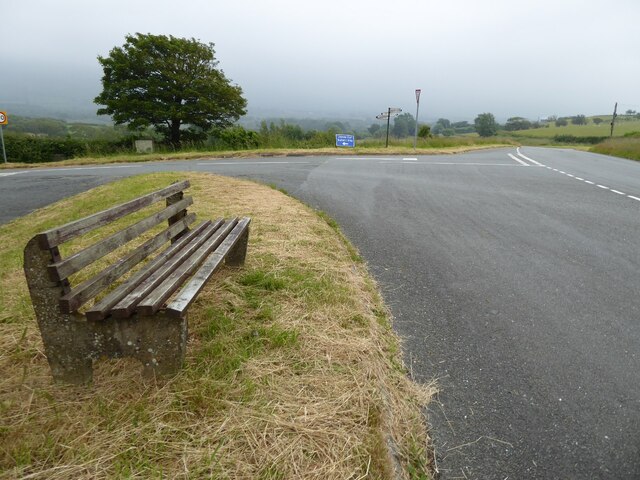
(343, 140)
(3, 121)
(390, 111)
(415, 135)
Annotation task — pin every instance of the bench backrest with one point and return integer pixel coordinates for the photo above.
(175, 213)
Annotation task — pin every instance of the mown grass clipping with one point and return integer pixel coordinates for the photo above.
(292, 368)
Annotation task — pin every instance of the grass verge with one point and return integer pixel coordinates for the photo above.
(292, 370)
(619, 147)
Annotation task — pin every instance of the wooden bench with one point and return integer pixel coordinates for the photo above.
(142, 317)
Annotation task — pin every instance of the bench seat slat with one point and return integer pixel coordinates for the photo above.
(101, 310)
(56, 236)
(125, 307)
(87, 290)
(190, 291)
(155, 300)
(81, 259)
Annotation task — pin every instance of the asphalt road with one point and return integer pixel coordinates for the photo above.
(513, 279)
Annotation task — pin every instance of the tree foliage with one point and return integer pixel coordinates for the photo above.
(579, 120)
(486, 125)
(172, 84)
(424, 131)
(404, 125)
(517, 123)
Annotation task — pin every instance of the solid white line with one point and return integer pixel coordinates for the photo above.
(616, 191)
(363, 158)
(251, 163)
(519, 161)
(530, 159)
(602, 186)
(589, 182)
(37, 170)
(635, 198)
(452, 163)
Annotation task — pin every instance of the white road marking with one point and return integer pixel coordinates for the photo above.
(410, 159)
(6, 174)
(452, 163)
(530, 159)
(251, 163)
(519, 161)
(37, 170)
(363, 158)
(604, 187)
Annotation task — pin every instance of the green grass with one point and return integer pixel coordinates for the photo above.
(287, 359)
(619, 147)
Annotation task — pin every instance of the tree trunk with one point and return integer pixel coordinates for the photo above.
(175, 133)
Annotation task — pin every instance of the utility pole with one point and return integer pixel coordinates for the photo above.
(415, 135)
(386, 145)
(613, 119)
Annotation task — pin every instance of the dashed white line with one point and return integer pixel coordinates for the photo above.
(604, 187)
(410, 159)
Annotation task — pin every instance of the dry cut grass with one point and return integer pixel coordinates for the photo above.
(292, 368)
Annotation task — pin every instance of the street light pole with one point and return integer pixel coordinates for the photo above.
(415, 135)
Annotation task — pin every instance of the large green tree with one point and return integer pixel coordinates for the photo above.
(172, 84)
(486, 125)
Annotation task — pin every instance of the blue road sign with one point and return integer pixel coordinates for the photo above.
(343, 140)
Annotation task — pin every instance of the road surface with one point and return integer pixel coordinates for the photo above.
(513, 276)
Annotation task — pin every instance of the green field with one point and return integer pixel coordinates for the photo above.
(589, 130)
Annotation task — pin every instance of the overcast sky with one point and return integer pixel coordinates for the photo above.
(344, 58)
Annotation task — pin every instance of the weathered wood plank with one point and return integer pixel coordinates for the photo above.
(58, 235)
(155, 300)
(78, 261)
(190, 291)
(91, 287)
(100, 310)
(126, 306)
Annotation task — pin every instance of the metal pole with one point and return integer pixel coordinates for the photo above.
(613, 118)
(4, 153)
(388, 119)
(415, 135)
